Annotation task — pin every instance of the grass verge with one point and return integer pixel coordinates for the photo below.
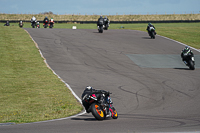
(29, 91)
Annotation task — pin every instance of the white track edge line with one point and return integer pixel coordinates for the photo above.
(180, 43)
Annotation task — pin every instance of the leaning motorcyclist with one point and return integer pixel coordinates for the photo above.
(106, 21)
(46, 20)
(148, 27)
(187, 51)
(89, 91)
(7, 23)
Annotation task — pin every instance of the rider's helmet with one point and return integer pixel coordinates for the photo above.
(101, 16)
(149, 23)
(186, 49)
(105, 17)
(89, 88)
(33, 18)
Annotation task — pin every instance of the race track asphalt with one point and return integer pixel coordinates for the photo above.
(148, 98)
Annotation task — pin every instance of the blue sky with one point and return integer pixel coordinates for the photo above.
(104, 7)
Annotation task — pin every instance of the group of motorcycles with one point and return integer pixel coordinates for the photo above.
(99, 102)
(46, 23)
(103, 24)
(186, 55)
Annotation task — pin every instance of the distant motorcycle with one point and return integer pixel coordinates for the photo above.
(38, 25)
(106, 24)
(100, 26)
(45, 24)
(189, 60)
(21, 24)
(7, 23)
(33, 22)
(51, 23)
(152, 32)
(100, 108)
(105, 27)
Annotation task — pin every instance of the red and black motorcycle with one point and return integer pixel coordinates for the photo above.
(51, 23)
(100, 104)
(45, 24)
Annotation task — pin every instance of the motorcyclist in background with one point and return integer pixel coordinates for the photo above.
(89, 91)
(186, 50)
(100, 24)
(148, 28)
(100, 20)
(33, 20)
(21, 24)
(106, 22)
(51, 22)
(7, 23)
(46, 20)
(38, 24)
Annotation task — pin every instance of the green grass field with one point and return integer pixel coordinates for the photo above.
(29, 90)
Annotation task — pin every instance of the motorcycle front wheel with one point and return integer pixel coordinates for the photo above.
(191, 65)
(152, 35)
(97, 112)
(115, 115)
(33, 25)
(101, 29)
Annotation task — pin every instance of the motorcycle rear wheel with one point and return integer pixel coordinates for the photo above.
(97, 112)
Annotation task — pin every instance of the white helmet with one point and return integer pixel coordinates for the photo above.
(89, 88)
(33, 18)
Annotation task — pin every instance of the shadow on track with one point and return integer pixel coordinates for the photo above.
(182, 68)
(85, 119)
(146, 37)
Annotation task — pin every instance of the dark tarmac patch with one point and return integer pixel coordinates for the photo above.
(161, 60)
